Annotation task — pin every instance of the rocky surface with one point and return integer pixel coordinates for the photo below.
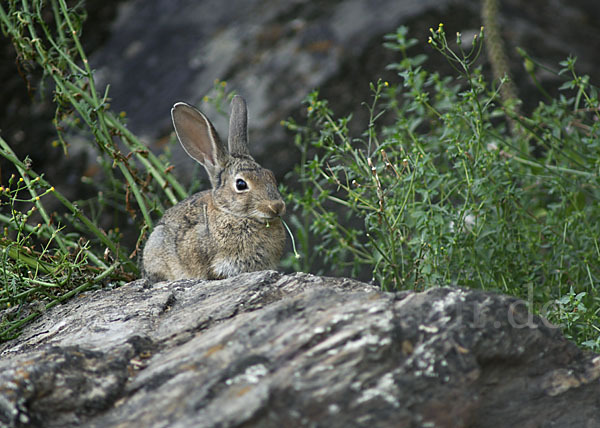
(265, 349)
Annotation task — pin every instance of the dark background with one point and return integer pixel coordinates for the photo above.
(156, 52)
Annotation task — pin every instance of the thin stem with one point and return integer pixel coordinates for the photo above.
(73, 208)
(83, 287)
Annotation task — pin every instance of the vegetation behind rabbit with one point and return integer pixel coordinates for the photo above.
(235, 227)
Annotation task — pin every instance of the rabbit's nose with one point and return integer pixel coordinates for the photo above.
(277, 208)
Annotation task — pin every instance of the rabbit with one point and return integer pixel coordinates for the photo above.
(236, 226)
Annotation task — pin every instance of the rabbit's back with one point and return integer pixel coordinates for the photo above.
(169, 242)
(195, 239)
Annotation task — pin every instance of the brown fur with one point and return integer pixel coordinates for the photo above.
(221, 232)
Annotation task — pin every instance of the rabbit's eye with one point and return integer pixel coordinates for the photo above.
(241, 185)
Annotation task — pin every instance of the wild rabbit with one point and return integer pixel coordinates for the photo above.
(235, 227)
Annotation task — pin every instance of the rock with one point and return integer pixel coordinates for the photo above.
(266, 349)
(271, 52)
(274, 53)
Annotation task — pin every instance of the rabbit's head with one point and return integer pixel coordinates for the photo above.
(240, 185)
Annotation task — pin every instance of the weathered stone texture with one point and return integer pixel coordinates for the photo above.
(265, 349)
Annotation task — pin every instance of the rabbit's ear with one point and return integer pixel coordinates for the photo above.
(238, 127)
(199, 138)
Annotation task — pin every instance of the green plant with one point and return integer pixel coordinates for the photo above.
(47, 256)
(579, 318)
(52, 247)
(438, 190)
